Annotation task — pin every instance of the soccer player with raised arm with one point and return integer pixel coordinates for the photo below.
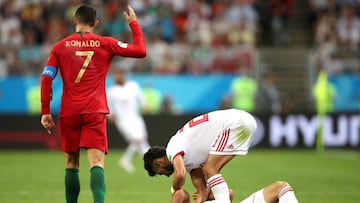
(202, 147)
(83, 59)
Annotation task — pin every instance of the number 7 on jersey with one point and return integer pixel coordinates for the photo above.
(88, 55)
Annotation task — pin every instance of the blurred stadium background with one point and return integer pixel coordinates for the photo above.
(203, 55)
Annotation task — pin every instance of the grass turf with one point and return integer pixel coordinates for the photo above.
(331, 177)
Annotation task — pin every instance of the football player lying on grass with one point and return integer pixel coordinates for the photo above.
(279, 191)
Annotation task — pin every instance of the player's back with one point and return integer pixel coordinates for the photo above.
(196, 136)
(83, 60)
(206, 126)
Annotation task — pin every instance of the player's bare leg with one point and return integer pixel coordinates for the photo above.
(218, 185)
(72, 180)
(96, 159)
(279, 191)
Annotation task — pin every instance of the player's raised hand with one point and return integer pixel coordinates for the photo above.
(47, 122)
(131, 16)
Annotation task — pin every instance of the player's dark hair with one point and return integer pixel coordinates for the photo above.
(150, 156)
(86, 15)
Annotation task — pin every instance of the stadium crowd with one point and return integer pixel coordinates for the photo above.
(194, 36)
(336, 28)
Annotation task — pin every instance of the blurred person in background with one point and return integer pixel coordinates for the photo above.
(10, 26)
(243, 91)
(281, 11)
(268, 97)
(324, 93)
(125, 102)
(168, 106)
(83, 58)
(29, 53)
(31, 16)
(153, 98)
(33, 98)
(348, 28)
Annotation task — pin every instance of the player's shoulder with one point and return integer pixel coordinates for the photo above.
(173, 141)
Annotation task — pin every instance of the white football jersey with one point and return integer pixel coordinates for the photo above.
(221, 132)
(125, 102)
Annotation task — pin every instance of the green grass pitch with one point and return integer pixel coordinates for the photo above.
(329, 177)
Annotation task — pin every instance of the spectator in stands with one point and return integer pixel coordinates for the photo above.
(242, 12)
(351, 3)
(69, 12)
(281, 11)
(157, 49)
(348, 28)
(32, 19)
(165, 24)
(56, 30)
(320, 6)
(169, 26)
(116, 25)
(30, 54)
(324, 28)
(242, 33)
(13, 64)
(10, 34)
(181, 51)
(200, 59)
(198, 26)
(168, 64)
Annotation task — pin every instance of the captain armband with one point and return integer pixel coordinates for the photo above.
(50, 71)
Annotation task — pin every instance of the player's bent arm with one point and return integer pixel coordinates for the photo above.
(179, 172)
(197, 177)
(48, 75)
(135, 50)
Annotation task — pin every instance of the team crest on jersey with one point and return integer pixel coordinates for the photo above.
(122, 44)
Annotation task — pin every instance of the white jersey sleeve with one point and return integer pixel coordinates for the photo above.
(175, 147)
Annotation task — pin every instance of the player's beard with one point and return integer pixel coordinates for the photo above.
(170, 168)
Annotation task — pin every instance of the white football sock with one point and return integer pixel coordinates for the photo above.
(219, 188)
(287, 195)
(256, 197)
